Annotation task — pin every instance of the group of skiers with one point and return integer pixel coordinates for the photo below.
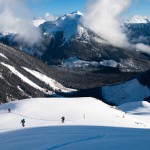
(23, 120)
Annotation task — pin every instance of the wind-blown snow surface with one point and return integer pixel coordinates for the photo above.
(90, 124)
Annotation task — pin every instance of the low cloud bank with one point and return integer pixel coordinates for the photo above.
(104, 17)
(14, 18)
(142, 47)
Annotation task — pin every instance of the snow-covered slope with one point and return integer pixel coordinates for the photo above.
(138, 31)
(70, 24)
(76, 137)
(89, 124)
(49, 81)
(138, 20)
(130, 91)
(38, 21)
(22, 77)
(77, 111)
(2, 55)
(139, 110)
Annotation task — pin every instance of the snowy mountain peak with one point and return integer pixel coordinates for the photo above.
(72, 16)
(77, 13)
(138, 19)
(38, 21)
(69, 24)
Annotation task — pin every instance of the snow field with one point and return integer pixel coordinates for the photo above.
(48, 112)
(90, 124)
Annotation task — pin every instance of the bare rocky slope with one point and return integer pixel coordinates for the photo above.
(14, 85)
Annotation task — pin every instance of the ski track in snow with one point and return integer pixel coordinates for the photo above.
(82, 140)
(76, 138)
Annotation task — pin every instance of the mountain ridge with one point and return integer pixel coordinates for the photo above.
(68, 37)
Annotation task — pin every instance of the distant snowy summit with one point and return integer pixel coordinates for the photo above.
(137, 30)
(37, 21)
(75, 13)
(69, 24)
(138, 20)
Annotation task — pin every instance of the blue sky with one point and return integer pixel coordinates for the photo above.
(56, 7)
(139, 7)
(59, 7)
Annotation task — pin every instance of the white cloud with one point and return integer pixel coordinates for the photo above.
(50, 17)
(14, 18)
(104, 17)
(142, 47)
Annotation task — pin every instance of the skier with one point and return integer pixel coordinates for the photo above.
(62, 119)
(9, 111)
(23, 122)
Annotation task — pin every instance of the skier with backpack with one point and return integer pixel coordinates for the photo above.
(23, 122)
(62, 119)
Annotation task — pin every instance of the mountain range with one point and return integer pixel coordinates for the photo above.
(69, 40)
(74, 61)
(23, 76)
